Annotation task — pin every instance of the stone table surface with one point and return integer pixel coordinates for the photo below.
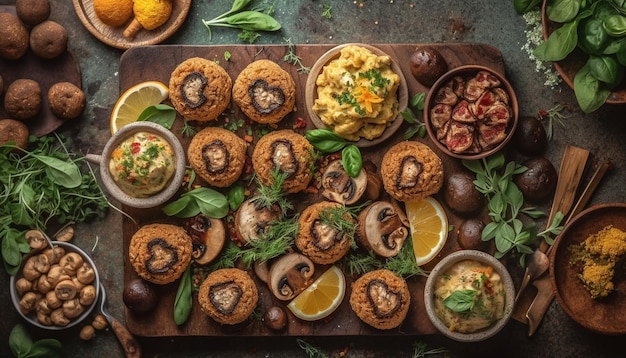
(366, 21)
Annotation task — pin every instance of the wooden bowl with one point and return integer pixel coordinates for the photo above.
(311, 92)
(114, 36)
(606, 315)
(569, 66)
(466, 72)
(442, 268)
(32, 316)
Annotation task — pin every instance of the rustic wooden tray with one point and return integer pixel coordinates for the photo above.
(157, 62)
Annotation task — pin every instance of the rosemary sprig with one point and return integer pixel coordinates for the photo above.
(292, 58)
(311, 350)
(420, 350)
(553, 115)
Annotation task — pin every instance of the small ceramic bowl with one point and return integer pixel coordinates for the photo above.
(466, 72)
(604, 315)
(311, 92)
(121, 135)
(442, 267)
(32, 316)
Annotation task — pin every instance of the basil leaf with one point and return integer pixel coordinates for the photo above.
(236, 195)
(10, 250)
(562, 10)
(65, 174)
(20, 341)
(252, 21)
(212, 203)
(183, 301)
(560, 43)
(160, 114)
(589, 94)
(325, 140)
(351, 160)
(176, 206)
(461, 301)
(45, 348)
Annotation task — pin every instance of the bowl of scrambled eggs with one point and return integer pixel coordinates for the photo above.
(142, 165)
(587, 268)
(357, 91)
(469, 296)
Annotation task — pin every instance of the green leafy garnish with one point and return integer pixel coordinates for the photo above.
(160, 113)
(404, 264)
(327, 14)
(269, 195)
(311, 350)
(275, 241)
(292, 58)
(207, 201)
(413, 115)
(22, 345)
(461, 301)
(183, 301)
(359, 264)
(246, 20)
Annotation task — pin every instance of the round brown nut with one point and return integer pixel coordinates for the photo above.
(23, 99)
(13, 37)
(66, 100)
(48, 39)
(32, 12)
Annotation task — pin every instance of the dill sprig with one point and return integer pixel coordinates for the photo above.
(359, 264)
(311, 350)
(274, 242)
(404, 264)
(226, 259)
(343, 219)
(420, 350)
(269, 195)
(294, 59)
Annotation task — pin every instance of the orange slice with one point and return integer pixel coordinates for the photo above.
(321, 298)
(134, 100)
(429, 228)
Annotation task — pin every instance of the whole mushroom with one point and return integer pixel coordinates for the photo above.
(208, 236)
(290, 275)
(251, 220)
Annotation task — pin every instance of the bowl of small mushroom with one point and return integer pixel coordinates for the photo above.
(471, 112)
(56, 287)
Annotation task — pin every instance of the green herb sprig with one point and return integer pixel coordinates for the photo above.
(494, 179)
(461, 301)
(292, 58)
(404, 264)
(420, 350)
(22, 345)
(268, 196)
(553, 115)
(359, 264)
(246, 20)
(276, 241)
(414, 115)
(311, 350)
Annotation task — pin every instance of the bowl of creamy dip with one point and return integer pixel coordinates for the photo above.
(469, 296)
(142, 165)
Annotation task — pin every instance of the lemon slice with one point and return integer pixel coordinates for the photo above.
(429, 228)
(134, 100)
(321, 298)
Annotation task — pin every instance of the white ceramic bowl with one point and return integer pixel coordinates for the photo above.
(442, 267)
(121, 135)
(32, 317)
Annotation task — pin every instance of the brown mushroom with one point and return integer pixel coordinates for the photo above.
(54, 254)
(284, 158)
(52, 300)
(427, 65)
(56, 274)
(35, 266)
(408, 175)
(71, 262)
(43, 307)
(85, 274)
(65, 290)
(87, 295)
(261, 269)
(290, 275)
(87, 332)
(374, 186)
(72, 308)
(162, 256)
(58, 318)
(43, 285)
(216, 156)
(252, 220)
(23, 285)
(341, 187)
(99, 322)
(44, 319)
(28, 302)
(65, 234)
(192, 90)
(36, 239)
(208, 236)
(380, 228)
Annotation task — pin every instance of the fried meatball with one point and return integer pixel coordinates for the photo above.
(23, 99)
(66, 100)
(48, 39)
(32, 12)
(13, 37)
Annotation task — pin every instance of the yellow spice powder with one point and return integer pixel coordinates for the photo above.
(599, 254)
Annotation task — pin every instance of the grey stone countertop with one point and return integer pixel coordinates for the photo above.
(366, 21)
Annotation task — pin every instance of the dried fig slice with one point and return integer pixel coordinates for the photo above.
(462, 113)
(460, 137)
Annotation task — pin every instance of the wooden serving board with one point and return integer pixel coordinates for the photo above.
(157, 62)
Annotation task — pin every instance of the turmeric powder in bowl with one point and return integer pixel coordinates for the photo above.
(598, 255)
